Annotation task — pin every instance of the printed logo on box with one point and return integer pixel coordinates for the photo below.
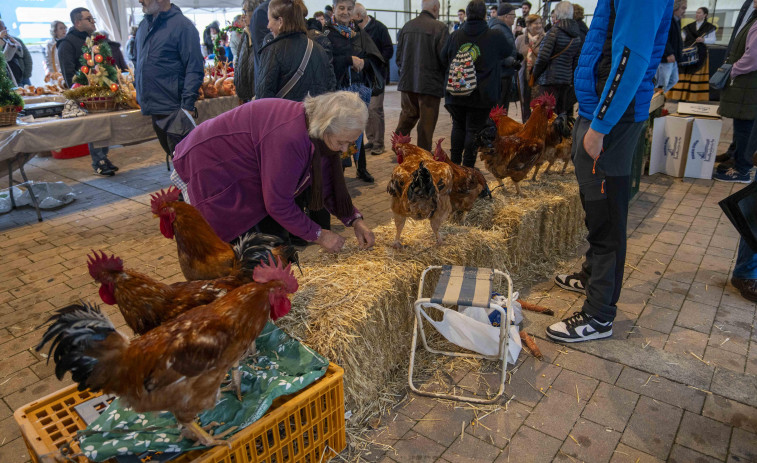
(707, 151)
(675, 151)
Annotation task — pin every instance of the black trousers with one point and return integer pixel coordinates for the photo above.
(604, 190)
(507, 84)
(466, 123)
(167, 141)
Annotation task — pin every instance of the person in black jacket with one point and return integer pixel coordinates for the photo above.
(578, 16)
(504, 23)
(558, 58)
(356, 60)
(69, 53)
(116, 52)
(17, 56)
(667, 72)
(375, 129)
(423, 70)
(470, 113)
(208, 37)
(280, 58)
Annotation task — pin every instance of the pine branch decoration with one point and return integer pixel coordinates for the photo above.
(8, 97)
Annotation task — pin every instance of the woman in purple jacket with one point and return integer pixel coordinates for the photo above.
(256, 167)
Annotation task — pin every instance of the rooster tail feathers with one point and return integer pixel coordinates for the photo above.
(254, 247)
(98, 263)
(485, 137)
(422, 184)
(76, 331)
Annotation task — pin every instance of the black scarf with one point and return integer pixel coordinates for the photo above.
(342, 201)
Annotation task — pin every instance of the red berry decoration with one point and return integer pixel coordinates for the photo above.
(96, 48)
(98, 58)
(85, 69)
(81, 104)
(114, 88)
(87, 56)
(90, 63)
(76, 85)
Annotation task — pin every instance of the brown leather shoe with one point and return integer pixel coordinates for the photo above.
(747, 287)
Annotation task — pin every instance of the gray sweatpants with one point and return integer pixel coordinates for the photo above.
(604, 189)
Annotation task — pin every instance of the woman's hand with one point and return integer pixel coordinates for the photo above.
(593, 143)
(357, 63)
(330, 241)
(699, 39)
(364, 235)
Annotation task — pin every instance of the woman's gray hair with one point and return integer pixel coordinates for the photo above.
(564, 10)
(335, 112)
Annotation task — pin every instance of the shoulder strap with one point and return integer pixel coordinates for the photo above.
(300, 71)
(564, 49)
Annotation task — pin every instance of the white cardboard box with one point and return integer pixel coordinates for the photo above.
(702, 149)
(670, 145)
(698, 109)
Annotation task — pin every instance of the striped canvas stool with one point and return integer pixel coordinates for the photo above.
(462, 287)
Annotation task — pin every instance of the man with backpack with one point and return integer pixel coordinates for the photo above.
(422, 71)
(474, 54)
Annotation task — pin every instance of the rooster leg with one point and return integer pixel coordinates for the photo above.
(565, 166)
(536, 171)
(193, 431)
(501, 185)
(549, 166)
(517, 189)
(399, 223)
(236, 382)
(436, 223)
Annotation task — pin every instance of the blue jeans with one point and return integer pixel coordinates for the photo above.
(667, 75)
(98, 154)
(746, 259)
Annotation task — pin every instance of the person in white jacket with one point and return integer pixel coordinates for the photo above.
(58, 30)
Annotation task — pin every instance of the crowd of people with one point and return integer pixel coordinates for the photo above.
(318, 82)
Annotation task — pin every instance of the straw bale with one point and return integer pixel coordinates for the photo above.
(355, 307)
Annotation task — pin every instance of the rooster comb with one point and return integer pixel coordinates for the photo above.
(275, 270)
(497, 112)
(97, 263)
(548, 100)
(163, 196)
(398, 138)
(439, 153)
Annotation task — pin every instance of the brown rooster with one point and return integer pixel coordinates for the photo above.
(467, 182)
(505, 124)
(514, 155)
(179, 365)
(420, 188)
(202, 254)
(146, 303)
(557, 143)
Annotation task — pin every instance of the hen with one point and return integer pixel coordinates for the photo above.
(505, 124)
(514, 155)
(420, 188)
(179, 365)
(557, 143)
(202, 254)
(146, 303)
(467, 182)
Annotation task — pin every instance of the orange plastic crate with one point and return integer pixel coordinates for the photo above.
(298, 428)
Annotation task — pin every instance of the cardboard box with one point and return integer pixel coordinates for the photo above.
(698, 109)
(702, 148)
(670, 145)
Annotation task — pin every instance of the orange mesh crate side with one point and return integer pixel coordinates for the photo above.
(295, 429)
(48, 423)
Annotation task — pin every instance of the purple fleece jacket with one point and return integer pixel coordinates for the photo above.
(251, 162)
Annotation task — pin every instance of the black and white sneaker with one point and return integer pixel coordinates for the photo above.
(579, 327)
(573, 282)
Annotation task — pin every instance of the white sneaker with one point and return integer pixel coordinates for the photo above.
(573, 282)
(579, 327)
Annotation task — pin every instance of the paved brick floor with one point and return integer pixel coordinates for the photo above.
(676, 382)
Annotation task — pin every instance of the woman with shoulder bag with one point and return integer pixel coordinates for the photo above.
(693, 81)
(737, 100)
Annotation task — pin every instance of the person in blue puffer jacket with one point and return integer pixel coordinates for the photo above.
(169, 66)
(613, 84)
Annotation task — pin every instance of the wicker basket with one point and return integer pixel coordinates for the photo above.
(100, 104)
(8, 115)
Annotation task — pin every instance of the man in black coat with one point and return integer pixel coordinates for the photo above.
(69, 53)
(380, 36)
(504, 23)
(423, 71)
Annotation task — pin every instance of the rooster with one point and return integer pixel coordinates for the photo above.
(514, 155)
(146, 303)
(557, 143)
(505, 124)
(467, 182)
(202, 254)
(179, 365)
(420, 188)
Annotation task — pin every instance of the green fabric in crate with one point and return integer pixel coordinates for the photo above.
(282, 366)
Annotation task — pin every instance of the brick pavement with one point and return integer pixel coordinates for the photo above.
(676, 382)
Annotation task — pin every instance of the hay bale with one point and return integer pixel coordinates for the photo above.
(356, 307)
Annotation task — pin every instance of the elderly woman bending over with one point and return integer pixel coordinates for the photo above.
(256, 167)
